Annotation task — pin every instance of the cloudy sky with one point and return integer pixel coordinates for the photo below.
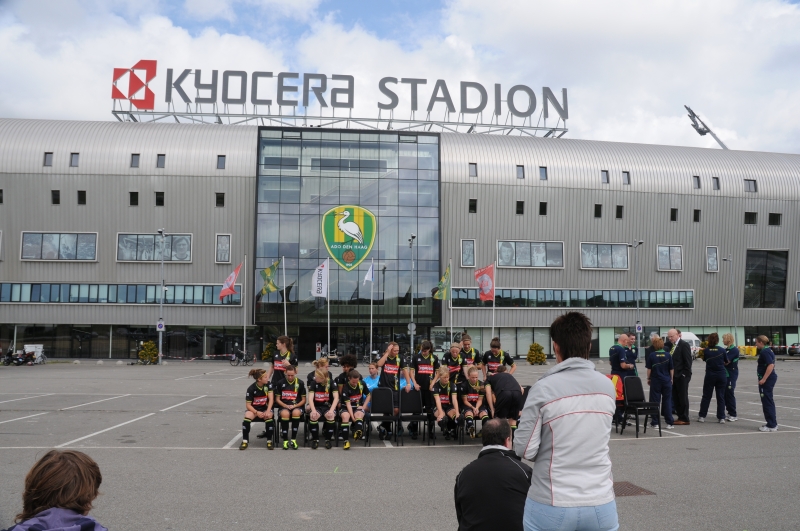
(629, 65)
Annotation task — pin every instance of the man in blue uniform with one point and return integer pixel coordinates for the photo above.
(732, 368)
(621, 365)
(659, 378)
(766, 382)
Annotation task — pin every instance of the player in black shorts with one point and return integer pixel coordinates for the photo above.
(392, 365)
(321, 363)
(282, 359)
(323, 403)
(424, 367)
(446, 408)
(468, 354)
(471, 399)
(355, 400)
(290, 396)
(496, 357)
(455, 363)
(504, 395)
(258, 402)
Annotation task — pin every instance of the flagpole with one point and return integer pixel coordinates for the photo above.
(244, 307)
(328, 301)
(285, 324)
(450, 297)
(494, 292)
(371, 289)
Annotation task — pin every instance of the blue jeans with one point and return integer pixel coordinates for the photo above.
(540, 517)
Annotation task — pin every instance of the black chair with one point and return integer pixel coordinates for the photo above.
(411, 411)
(382, 409)
(635, 404)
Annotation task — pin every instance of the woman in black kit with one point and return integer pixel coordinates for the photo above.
(283, 358)
(259, 400)
(323, 403)
(446, 408)
(290, 396)
(355, 401)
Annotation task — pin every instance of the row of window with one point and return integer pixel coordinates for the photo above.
(116, 294)
(133, 198)
(161, 160)
(565, 298)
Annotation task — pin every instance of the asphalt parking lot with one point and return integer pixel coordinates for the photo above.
(166, 441)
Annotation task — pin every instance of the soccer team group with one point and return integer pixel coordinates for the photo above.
(451, 392)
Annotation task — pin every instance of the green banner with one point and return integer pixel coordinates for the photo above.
(349, 232)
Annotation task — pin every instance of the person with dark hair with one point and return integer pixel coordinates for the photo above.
(570, 408)
(659, 377)
(767, 377)
(621, 360)
(633, 349)
(58, 495)
(424, 367)
(716, 379)
(290, 395)
(355, 401)
(681, 354)
(504, 395)
(495, 357)
(282, 358)
(258, 404)
(496, 479)
(348, 363)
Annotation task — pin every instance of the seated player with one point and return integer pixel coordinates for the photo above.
(355, 401)
(290, 396)
(321, 363)
(258, 403)
(374, 376)
(323, 404)
(472, 394)
(446, 409)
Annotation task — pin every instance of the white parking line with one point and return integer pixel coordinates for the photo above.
(26, 398)
(233, 441)
(199, 375)
(182, 403)
(22, 418)
(95, 402)
(239, 377)
(103, 431)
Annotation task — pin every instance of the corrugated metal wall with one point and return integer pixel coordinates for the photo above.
(661, 179)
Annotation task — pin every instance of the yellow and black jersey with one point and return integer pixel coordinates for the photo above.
(277, 364)
(322, 393)
(455, 365)
(390, 372)
(493, 361)
(424, 369)
(444, 391)
(472, 392)
(355, 395)
(258, 397)
(290, 393)
(471, 356)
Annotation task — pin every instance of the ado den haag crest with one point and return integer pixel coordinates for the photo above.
(349, 232)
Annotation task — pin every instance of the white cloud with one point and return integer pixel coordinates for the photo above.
(226, 9)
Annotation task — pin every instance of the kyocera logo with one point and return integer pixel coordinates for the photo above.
(138, 91)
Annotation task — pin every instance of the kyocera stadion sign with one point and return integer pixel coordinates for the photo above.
(291, 89)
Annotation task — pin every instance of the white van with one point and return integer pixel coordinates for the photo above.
(693, 341)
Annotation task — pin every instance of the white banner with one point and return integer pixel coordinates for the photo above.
(319, 282)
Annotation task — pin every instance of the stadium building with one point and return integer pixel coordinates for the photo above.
(81, 204)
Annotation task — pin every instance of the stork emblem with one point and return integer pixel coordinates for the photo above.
(349, 232)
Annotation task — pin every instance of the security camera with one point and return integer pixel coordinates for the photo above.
(413, 236)
(161, 231)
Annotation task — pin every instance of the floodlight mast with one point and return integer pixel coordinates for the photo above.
(701, 128)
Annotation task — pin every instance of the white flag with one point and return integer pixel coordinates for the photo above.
(370, 276)
(319, 283)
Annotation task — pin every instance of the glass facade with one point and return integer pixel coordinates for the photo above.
(116, 294)
(765, 279)
(576, 298)
(305, 173)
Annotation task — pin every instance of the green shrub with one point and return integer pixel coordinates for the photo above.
(536, 355)
(149, 352)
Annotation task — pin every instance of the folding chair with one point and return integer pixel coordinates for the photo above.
(636, 405)
(411, 411)
(382, 409)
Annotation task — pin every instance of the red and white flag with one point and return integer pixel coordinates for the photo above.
(230, 284)
(485, 279)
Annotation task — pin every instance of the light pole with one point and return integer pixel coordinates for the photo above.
(636, 246)
(161, 297)
(733, 300)
(411, 328)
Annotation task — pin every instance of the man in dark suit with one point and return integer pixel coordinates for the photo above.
(682, 360)
(490, 492)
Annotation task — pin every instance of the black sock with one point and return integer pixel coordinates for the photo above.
(314, 427)
(329, 427)
(470, 422)
(483, 420)
(269, 427)
(285, 429)
(358, 425)
(295, 426)
(345, 431)
(246, 430)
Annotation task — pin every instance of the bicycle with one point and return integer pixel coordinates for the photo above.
(245, 359)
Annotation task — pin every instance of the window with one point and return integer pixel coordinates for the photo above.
(520, 172)
(542, 173)
(670, 257)
(473, 169)
(134, 160)
(473, 206)
(696, 182)
(715, 183)
(161, 161)
(467, 253)
(73, 159)
(220, 162)
(133, 198)
(48, 159)
(55, 197)
(81, 197)
(530, 254)
(604, 256)
(598, 211)
(751, 218)
(520, 208)
(765, 279)
(750, 185)
(619, 211)
(712, 260)
(673, 214)
(223, 253)
(697, 216)
(543, 208)
(220, 199)
(531, 299)
(147, 247)
(159, 198)
(116, 294)
(774, 219)
(626, 177)
(604, 177)
(59, 246)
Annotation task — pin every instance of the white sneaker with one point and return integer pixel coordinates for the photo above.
(764, 428)
(701, 419)
(722, 421)
(670, 427)
(731, 419)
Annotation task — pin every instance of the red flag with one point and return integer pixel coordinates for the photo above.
(485, 279)
(230, 283)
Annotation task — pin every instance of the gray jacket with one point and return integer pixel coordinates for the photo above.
(564, 429)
